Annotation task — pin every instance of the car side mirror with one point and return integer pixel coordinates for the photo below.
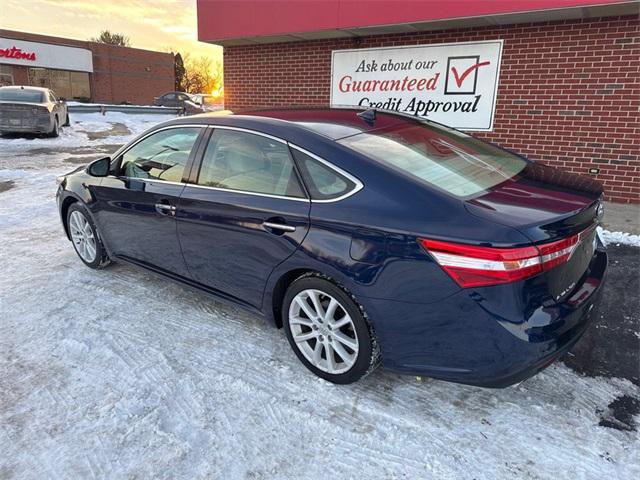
(100, 167)
(62, 100)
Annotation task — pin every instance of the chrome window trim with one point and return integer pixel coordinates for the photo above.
(153, 180)
(125, 148)
(244, 192)
(247, 130)
(358, 184)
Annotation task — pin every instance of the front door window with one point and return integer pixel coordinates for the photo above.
(161, 156)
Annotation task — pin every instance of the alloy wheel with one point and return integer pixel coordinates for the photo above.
(323, 331)
(84, 240)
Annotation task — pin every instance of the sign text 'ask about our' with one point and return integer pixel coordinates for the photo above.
(455, 84)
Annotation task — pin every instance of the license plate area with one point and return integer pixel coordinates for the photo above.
(565, 278)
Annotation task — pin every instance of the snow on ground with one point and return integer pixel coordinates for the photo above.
(619, 238)
(118, 373)
(81, 124)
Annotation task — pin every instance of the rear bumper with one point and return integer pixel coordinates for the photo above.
(491, 336)
(39, 124)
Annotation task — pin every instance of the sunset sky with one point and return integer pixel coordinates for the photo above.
(150, 24)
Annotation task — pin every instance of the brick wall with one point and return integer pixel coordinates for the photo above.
(119, 73)
(569, 92)
(128, 74)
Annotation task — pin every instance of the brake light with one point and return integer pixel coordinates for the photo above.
(472, 266)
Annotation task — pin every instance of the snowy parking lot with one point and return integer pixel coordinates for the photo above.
(121, 374)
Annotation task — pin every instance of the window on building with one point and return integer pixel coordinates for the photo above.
(39, 77)
(65, 84)
(59, 82)
(6, 75)
(80, 88)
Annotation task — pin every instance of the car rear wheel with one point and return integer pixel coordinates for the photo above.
(67, 122)
(328, 330)
(55, 130)
(85, 238)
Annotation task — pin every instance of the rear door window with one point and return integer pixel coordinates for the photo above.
(160, 156)
(247, 162)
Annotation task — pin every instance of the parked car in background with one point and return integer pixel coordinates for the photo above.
(209, 103)
(183, 100)
(368, 236)
(31, 110)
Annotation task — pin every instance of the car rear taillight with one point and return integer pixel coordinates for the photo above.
(472, 266)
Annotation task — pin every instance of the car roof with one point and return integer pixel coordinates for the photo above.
(331, 123)
(24, 87)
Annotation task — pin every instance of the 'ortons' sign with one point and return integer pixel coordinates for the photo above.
(455, 84)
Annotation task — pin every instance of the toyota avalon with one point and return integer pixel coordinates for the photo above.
(370, 237)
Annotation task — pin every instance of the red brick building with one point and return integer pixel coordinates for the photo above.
(76, 69)
(567, 86)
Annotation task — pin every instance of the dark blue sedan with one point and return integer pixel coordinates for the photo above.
(370, 237)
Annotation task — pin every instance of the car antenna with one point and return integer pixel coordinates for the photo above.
(368, 116)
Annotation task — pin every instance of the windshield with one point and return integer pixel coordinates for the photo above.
(447, 159)
(20, 95)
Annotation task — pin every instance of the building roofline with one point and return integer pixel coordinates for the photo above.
(74, 42)
(263, 34)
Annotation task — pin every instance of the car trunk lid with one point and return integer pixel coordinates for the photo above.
(556, 210)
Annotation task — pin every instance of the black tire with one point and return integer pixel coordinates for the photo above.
(368, 356)
(55, 130)
(67, 122)
(101, 259)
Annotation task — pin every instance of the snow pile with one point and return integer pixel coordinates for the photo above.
(619, 238)
(83, 123)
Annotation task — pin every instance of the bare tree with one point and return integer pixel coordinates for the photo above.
(201, 75)
(112, 39)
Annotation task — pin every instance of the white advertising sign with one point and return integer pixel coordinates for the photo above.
(455, 83)
(33, 54)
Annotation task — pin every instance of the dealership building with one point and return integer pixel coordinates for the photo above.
(555, 80)
(87, 71)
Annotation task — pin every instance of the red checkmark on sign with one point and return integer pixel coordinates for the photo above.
(467, 72)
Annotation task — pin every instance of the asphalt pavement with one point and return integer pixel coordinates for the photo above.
(611, 345)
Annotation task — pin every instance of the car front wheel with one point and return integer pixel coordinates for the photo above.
(328, 330)
(85, 238)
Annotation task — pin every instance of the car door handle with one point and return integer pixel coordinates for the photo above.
(279, 226)
(165, 209)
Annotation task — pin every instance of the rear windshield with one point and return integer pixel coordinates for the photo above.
(19, 95)
(447, 159)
